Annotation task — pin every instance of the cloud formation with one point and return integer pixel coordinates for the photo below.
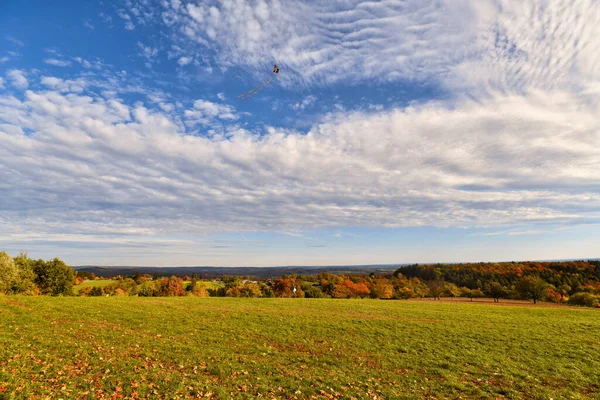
(57, 63)
(18, 78)
(73, 162)
(329, 41)
(514, 143)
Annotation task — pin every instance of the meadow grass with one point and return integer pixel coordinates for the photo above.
(128, 347)
(92, 283)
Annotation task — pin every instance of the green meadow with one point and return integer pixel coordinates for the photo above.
(190, 347)
(92, 283)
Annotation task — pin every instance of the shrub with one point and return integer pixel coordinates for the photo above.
(85, 291)
(584, 299)
(146, 289)
(553, 296)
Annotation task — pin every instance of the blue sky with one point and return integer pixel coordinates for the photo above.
(396, 131)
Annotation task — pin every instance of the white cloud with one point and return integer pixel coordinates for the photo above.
(533, 44)
(184, 61)
(18, 78)
(332, 41)
(205, 112)
(221, 96)
(306, 102)
(519, 148)
(1, 83)
(464, 164)
(128, 23)
(149, 53)
(75, 86)
(57, 63)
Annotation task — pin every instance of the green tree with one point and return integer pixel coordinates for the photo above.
(451, 290)
(496, 291)
(53, 277)
(532, 287)
(8, 273)
(26, 280)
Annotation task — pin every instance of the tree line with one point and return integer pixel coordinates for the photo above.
(23, 275)
(573, 282)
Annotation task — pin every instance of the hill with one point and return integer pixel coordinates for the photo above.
(258, 272)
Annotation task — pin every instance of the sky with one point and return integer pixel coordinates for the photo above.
(397, 131)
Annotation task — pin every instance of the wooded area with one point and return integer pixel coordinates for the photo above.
(573, 282)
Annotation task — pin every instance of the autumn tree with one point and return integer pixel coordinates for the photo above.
(436, 288)
(172, 286)
(532, 287)
(284, 287)
(382, 289)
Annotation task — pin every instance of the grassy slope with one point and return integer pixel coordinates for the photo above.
(281, 348)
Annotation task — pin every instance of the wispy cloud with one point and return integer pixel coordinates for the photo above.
(57, 63)
(127, 18)
(306, 102)
(331, 41)
(15, 41)
(149, 54)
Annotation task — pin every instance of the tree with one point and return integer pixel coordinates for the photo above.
(451, 290)
(172, 286)
(53, 277)
(436, 288)
(496, 291)
(8, 273)
(286, 287)
(532, 287)
(25, 281)
(382, 289)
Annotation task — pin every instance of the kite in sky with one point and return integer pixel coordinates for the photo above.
(261, 86)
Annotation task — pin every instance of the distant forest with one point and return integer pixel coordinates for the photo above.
(573, 282)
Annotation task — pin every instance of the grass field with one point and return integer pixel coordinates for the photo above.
(94, 283)
(294, 348)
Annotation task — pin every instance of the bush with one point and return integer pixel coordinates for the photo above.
(553, 296)
(85, 291)
(146, 289)
(584, 299)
